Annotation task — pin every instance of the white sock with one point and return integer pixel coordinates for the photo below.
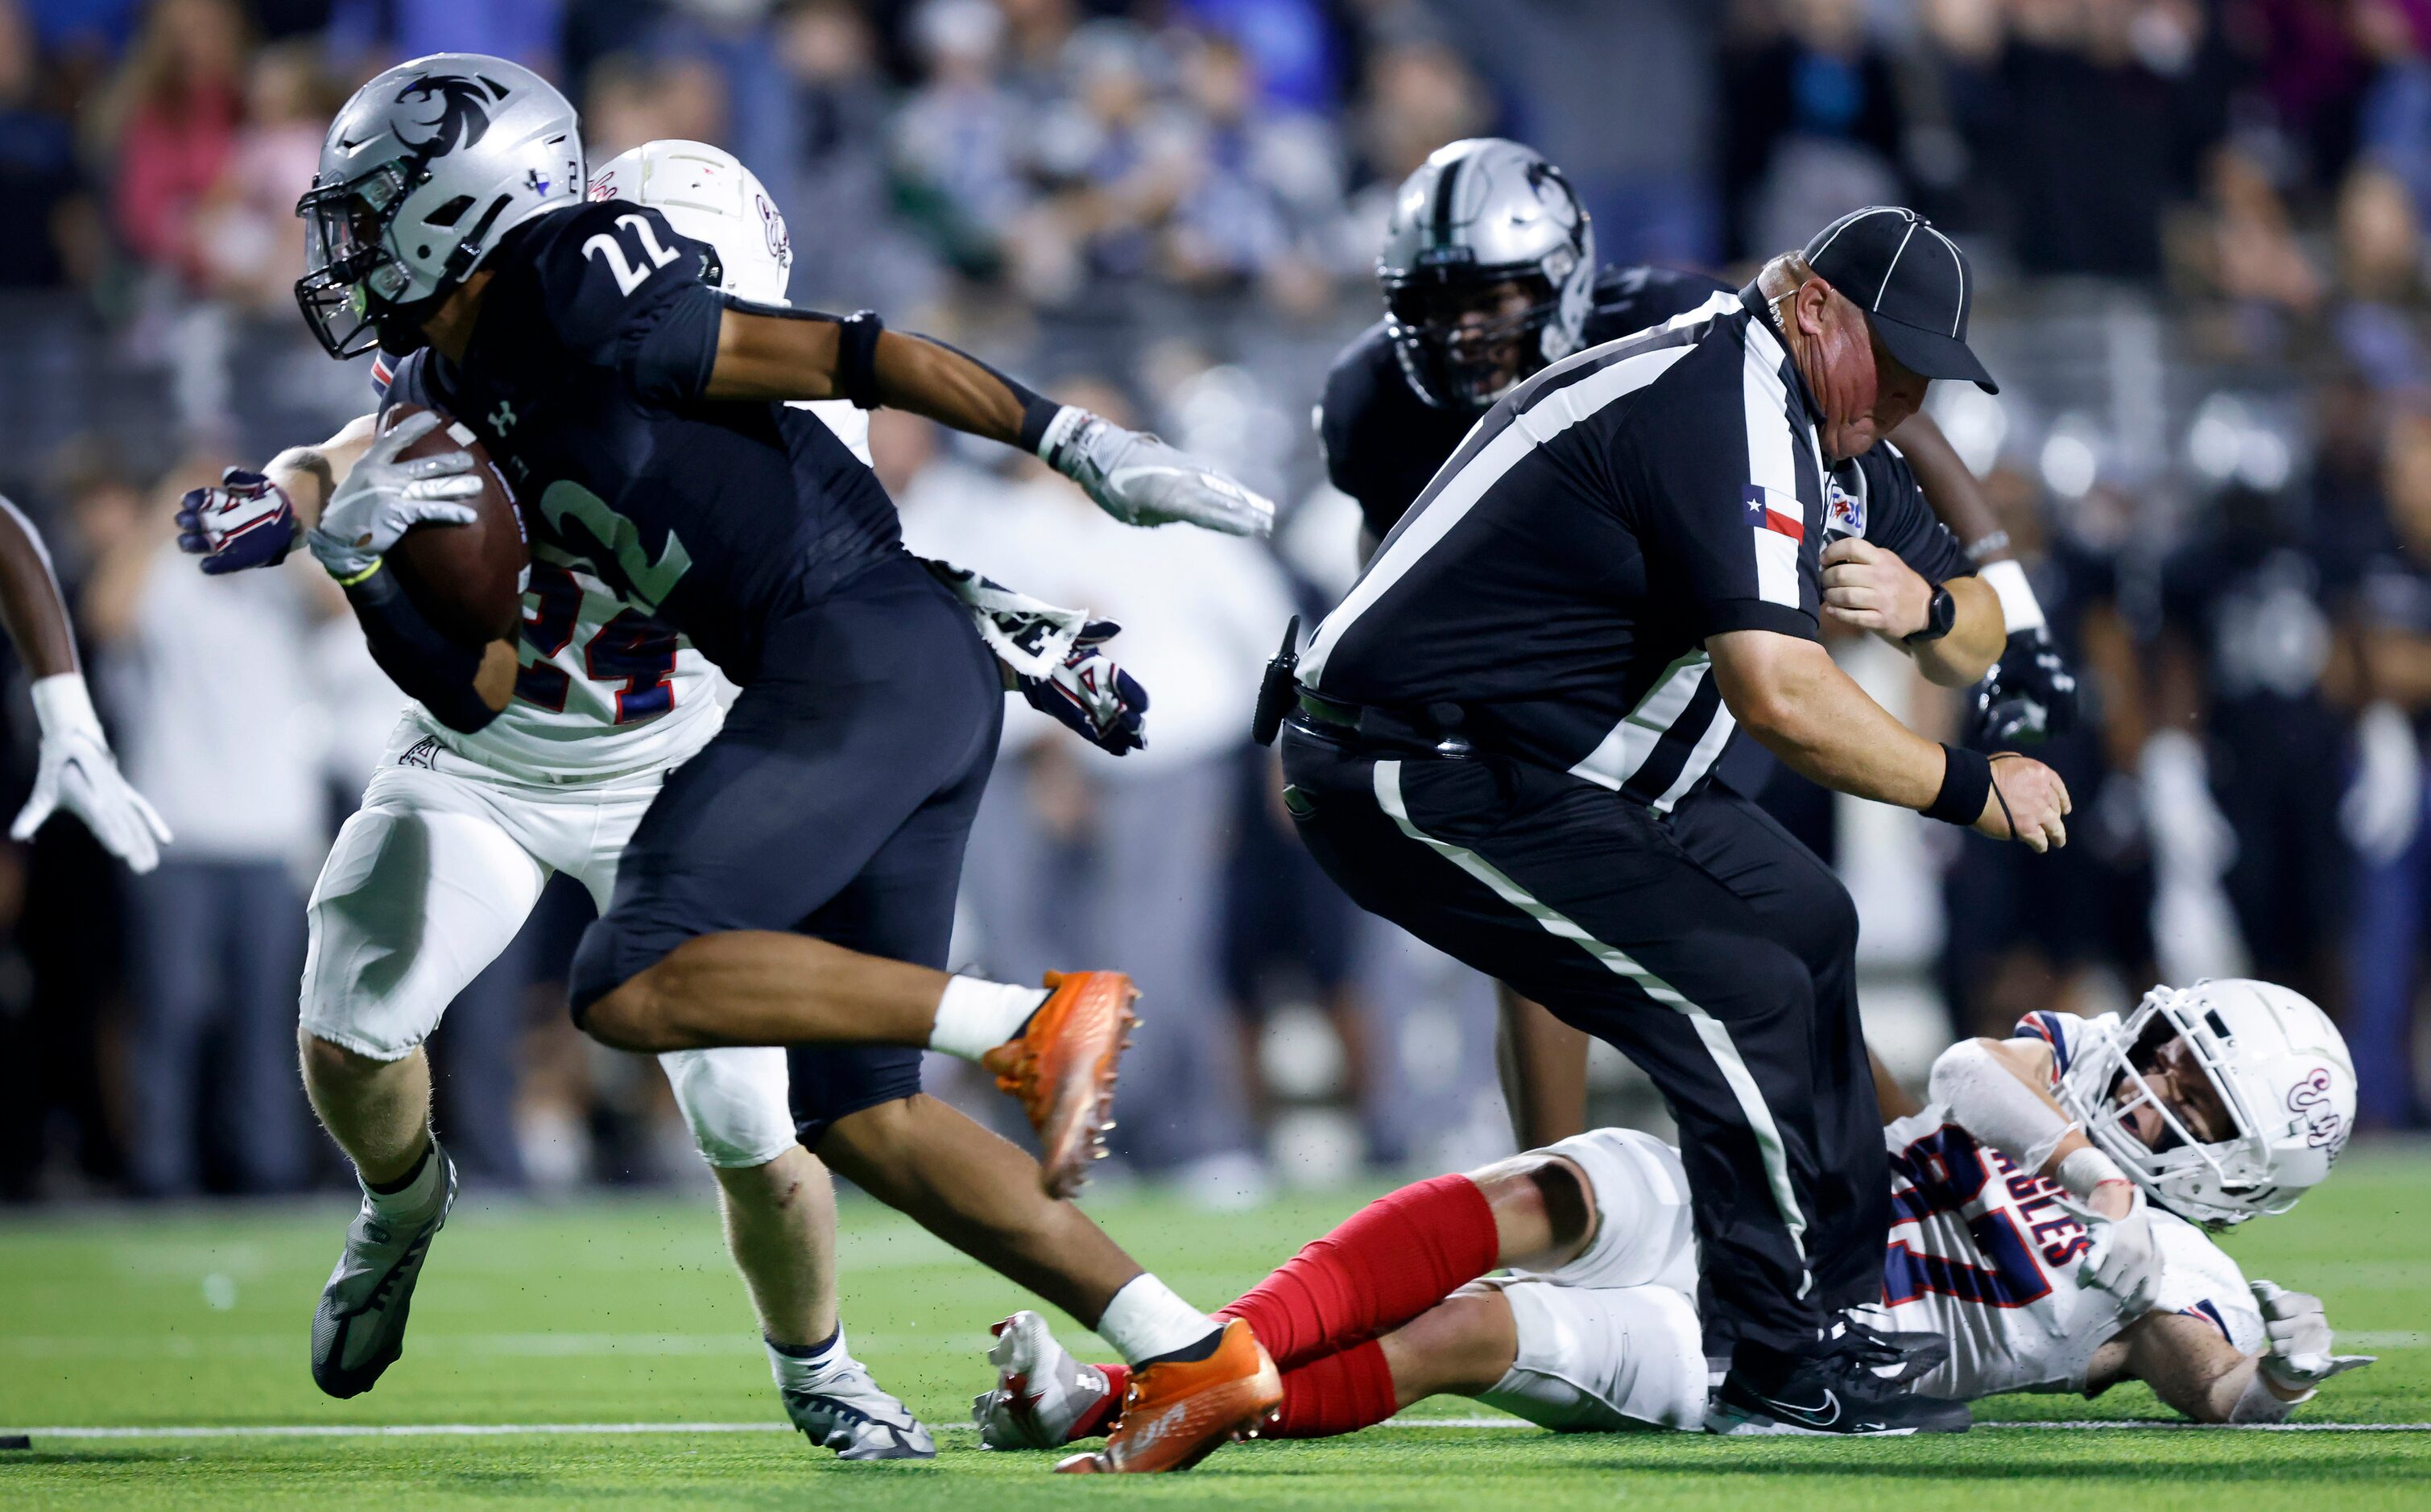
(795, 1369)
(1147, 1319)
(414, 1200)
(974, 1016)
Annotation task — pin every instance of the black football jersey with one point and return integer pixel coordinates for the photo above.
(1556, 583)
(1383, 443)
(717, 517)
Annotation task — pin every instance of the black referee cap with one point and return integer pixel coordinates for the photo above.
(1911, 280)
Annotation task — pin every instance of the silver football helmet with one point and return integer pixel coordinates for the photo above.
(2281, 1074)
(423, 172)
(1479, 212)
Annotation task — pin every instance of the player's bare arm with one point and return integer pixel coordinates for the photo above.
(76, 770)
(769, 354)
(1795, 701)
(308, 475)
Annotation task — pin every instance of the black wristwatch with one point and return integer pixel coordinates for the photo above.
(1938, 616)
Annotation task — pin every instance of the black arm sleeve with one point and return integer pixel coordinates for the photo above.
(673, 357)
(425, 665)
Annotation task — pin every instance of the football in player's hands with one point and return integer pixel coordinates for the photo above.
(467, 579)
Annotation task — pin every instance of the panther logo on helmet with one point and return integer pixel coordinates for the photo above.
(463, 112)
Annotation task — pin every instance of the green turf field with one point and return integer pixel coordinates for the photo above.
(627, 1314)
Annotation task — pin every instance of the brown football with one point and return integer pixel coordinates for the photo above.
(467, 579)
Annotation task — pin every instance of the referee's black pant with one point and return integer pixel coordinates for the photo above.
(1709, 946)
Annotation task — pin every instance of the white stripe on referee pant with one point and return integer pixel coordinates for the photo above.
(1710, 1031)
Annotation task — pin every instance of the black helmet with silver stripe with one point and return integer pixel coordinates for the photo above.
(1482, 212)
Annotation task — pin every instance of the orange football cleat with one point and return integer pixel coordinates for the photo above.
(1179, 1413)
(1063, 1070)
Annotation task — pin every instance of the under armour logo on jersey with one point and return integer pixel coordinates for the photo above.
(502, 419)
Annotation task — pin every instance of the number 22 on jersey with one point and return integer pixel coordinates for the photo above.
(629, 274)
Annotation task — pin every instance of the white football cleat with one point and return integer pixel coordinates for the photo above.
(1044, 1398)
(850, 1413)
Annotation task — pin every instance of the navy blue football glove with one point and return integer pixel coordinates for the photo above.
(244, 522)
(1098, 700)
(2029, 693)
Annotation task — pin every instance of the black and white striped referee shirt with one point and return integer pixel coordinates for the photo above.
(1558, 578)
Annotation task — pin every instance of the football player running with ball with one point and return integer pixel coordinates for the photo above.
(791, 882)
(458, 833)
(2048, 1210)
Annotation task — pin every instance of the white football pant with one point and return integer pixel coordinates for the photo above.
(1611, 1341)
(432, 877)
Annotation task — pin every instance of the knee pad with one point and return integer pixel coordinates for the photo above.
(1645, 1234)
(733, 1099)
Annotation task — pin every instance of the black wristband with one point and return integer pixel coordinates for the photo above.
(1966, 782)
(1037, 413)
(857, 357)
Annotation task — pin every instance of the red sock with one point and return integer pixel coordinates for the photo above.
(1391, 1261)
(1337, 1394)
(1100, 1419)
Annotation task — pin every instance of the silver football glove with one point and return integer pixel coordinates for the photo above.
(77, 773)
(1140, 480)
(383, 498)
(2299, 1358)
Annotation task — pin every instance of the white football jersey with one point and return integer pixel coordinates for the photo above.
(604, 687)
(1986, 1255)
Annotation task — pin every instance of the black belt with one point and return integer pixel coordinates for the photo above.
(1435, 732)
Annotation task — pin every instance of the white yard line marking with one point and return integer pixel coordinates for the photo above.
(2385, 1338)
(496, 1430)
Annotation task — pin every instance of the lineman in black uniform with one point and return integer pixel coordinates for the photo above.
(1489, 272)
(1501, 738)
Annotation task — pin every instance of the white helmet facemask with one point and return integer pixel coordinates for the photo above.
(2277, 1067)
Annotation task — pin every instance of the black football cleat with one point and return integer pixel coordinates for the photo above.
(1833, 1391)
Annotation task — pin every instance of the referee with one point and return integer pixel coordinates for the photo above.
(1502, 735)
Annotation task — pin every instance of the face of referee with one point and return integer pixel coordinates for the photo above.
(1863, 391)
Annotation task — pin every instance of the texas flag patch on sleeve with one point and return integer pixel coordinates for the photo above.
(1778, 522)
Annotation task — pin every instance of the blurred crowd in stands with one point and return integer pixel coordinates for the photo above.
(2200, 225)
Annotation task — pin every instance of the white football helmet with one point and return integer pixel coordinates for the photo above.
(423, 172)
(706, 193)
(2280, 1069)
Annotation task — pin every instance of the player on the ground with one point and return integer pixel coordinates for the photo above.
(794, 882)
(1489, 273)
(458, 833)
(75, 770)
(2048, 1209)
